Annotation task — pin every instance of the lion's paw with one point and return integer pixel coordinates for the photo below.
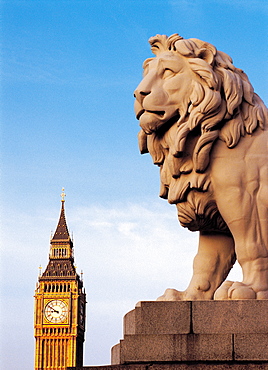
(222, 292)
(172, 295)
(234, 290)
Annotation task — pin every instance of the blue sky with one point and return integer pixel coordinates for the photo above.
(69, 69)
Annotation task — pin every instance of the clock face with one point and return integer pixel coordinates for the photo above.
(56, 311)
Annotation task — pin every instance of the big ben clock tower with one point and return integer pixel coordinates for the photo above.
(60, 299)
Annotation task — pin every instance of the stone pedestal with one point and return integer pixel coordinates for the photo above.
(226, 332)
(193, 335)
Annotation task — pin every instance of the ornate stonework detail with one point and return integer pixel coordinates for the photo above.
(206, 129)
(60, 299)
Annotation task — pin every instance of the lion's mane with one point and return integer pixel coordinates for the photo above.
(221, 105)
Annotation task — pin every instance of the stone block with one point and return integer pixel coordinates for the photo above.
(223, 317)
(116, 354)
(131, 321)
(231, 332)
(159, 318)
(176, 347)
(207, 347)
(251, 347)
(203, 366)
(181, 366)
(147, 348)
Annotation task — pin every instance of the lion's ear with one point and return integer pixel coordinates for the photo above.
(158, 43)
(206, 54)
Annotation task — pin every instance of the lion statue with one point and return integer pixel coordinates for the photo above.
(206, 129)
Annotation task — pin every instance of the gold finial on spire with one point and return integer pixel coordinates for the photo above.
(63, 195)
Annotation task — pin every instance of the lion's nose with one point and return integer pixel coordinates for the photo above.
(140, 94)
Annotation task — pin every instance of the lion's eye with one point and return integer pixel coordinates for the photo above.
(145, 70)
(168, 73)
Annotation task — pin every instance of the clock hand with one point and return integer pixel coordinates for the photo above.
(52, 308)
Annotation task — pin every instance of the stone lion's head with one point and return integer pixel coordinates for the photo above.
(190, 86)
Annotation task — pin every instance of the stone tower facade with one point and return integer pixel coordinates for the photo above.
(60, 302)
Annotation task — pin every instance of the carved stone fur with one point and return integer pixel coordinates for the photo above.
(206, 129)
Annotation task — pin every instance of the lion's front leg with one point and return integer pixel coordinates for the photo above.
(252, 255)
(212, 264)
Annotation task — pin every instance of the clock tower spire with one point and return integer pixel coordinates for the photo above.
(59, 315)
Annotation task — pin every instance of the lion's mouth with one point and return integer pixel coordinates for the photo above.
(140, 113)
(159, 113)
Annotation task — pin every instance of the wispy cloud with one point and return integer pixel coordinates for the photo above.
(128, 252)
